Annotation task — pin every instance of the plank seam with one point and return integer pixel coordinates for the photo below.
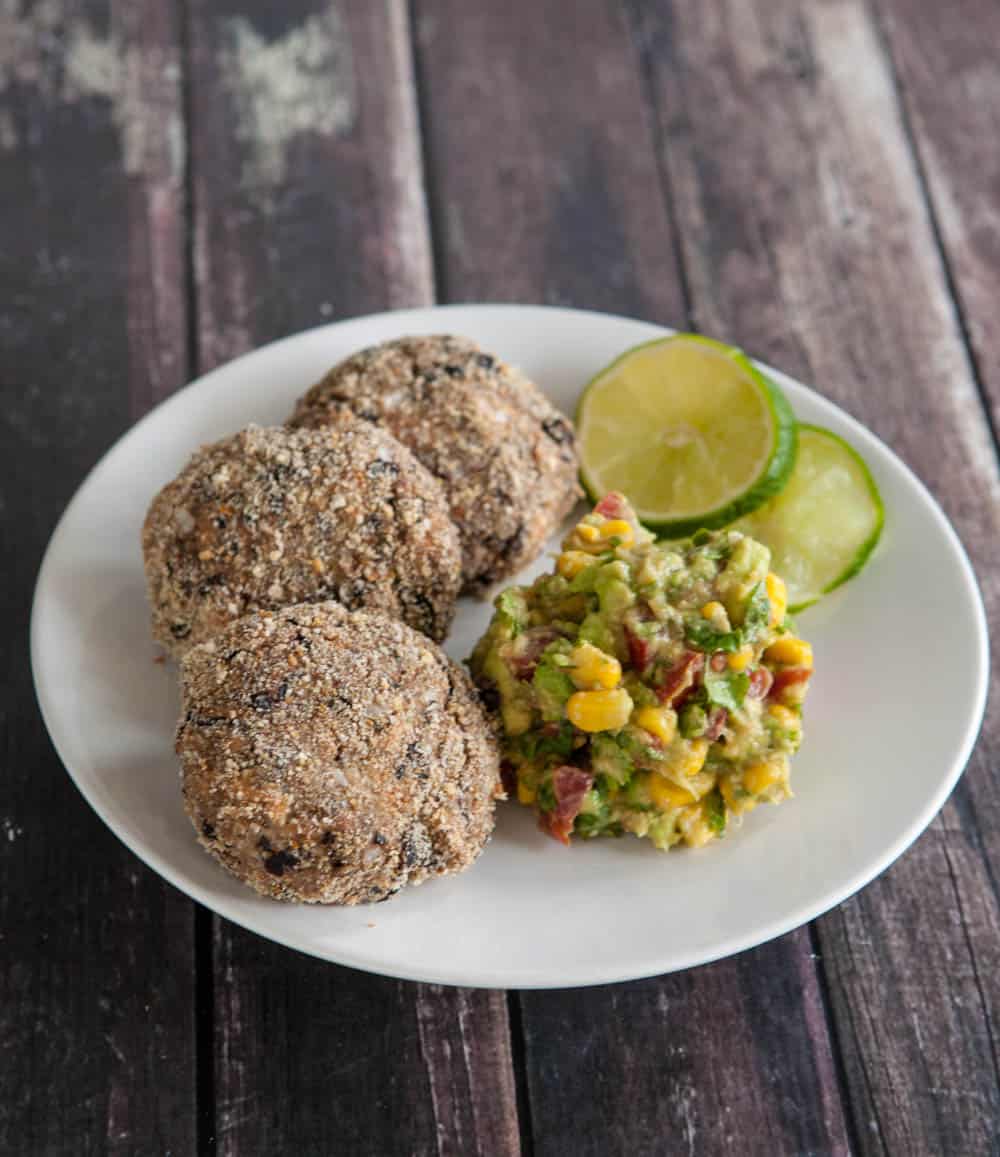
(187, 114)
(984, 1002)
(204, 1033)
(847, 1107)
(951, 283)
(522, 1092)
(432, 200)
(659, 136)
(860, 1054)
(204, 920)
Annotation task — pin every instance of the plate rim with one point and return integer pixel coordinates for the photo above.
(532, 978)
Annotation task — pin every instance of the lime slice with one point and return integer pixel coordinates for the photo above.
(825, 523)
(689, 430)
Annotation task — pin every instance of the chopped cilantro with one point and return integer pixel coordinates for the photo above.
(758, 611)
(512, 609)
(715, 811)
(546, 798)
(536, 745)
(693, 721)
(705, 637)
(726, 688)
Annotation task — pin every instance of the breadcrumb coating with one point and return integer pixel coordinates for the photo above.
(272, 516)
(505, 455)
(333, 756)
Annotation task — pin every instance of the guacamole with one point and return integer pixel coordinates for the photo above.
(646, 687)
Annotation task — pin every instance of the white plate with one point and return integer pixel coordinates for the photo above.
(884, 742)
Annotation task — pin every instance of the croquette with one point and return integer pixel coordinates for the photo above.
(333, 756)
(505, 455)
(272, 516)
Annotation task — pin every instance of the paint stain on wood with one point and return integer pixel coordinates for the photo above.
(301, 82)
(137, 80)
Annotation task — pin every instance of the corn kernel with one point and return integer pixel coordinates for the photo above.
(796, 652)
(781, 714)
(665, 794)
(741, 659)
(620, 529)
(701, 784)
(588, 533)
(760, 776)
(693, 759)
(571, 562)
(592, 669)
(658, 721)
(712, 610)
(599, 710)
(777, 593)
(525, 794)
(737, 804)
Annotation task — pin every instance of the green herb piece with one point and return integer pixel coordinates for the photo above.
(726, 688)
(701, 634)
(512, 610)
(546, 797)
(758, 611)
(693, 721)
(715, 811)
(610, 760)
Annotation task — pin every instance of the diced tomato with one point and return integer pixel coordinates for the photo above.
(639, 649)
(789, 677)
(527, 650)
(717, 719)
(569, 786)
(614, 505)
(760, 683)
(719, 661)
(680, 677)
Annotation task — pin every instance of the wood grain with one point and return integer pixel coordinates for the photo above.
(544, 182)
(307, 184)
(947, 72)
(545, 186)
(807, 238)
(96, 964)
(733, 1057)
(308, 206)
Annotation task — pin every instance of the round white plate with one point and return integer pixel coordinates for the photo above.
(884, 744)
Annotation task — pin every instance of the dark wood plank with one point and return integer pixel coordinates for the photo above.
(309, 205)
(318, 1059)
(544, 182)
(547, 186)
(96, 965)
(808, 240)
(945, 61)
(306, 163)
(729, 1058)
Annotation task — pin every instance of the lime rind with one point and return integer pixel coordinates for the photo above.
(867, 548)
(757, 526)
(770, 480)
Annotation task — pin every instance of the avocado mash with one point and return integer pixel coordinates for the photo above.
(646, 687)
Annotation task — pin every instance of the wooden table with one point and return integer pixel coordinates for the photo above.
(183, 180)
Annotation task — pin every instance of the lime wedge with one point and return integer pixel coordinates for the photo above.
(825, 523)
(689, 429)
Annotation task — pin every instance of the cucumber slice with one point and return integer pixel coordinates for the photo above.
(825, 524)
(689, 429)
